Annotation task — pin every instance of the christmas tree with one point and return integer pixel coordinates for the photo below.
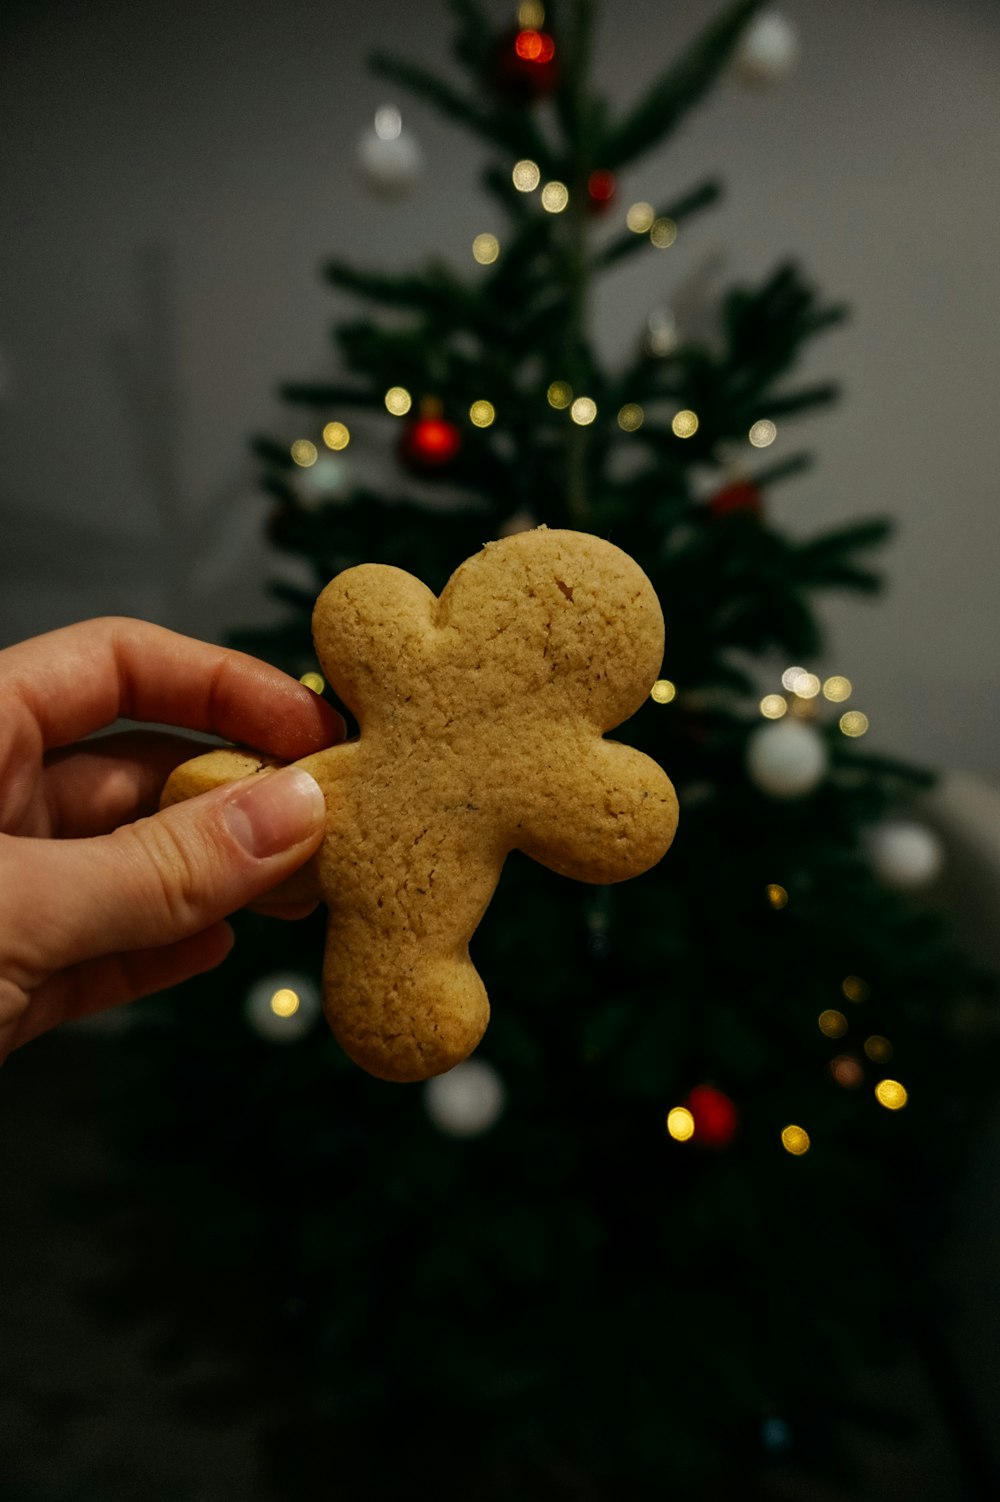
(644, 1241)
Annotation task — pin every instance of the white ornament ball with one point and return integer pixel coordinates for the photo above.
(905, 854)
(389, 158)
(787, 759)
(325, 483)
(767, 52)
(467, 1100)
(282, 1007)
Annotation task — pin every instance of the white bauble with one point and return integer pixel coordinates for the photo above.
(787, 759)
(768, 50)
(467, 1100)
(282, 1007)
(325, 483)
(389, 158)
(905, 854)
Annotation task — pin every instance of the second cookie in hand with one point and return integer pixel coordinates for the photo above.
(482, 715)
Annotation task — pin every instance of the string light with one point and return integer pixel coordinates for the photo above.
(285, 1002)
(640, 218)
(315, 681)
(583, 411)
(685, 424)
(832, 1024)
(680, 1124)
(631, 417)
(482, 414)
(304, 452)
(795, 1140)
(336, 435)
(555, 197)
(777, 896)
(847, 1071)
(854, 988)
(485, 249)
(534, 46)
(763, 434)
(663, 691)
(891, 1094)
(663, 232)
(837, 689)
(790, 678)
(398, 401)
(526, 175)
(854, 723)
(773, 706)
(806, 686)
(878, 1049)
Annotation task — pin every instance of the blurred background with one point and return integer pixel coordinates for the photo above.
(171, 179)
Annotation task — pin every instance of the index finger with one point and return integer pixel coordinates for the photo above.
(82, 678)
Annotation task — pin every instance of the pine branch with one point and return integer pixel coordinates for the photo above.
(679, 88)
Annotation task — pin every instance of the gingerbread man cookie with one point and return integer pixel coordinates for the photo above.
(482, 717)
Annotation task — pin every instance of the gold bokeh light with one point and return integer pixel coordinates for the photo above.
(485, 249)
(663, 691)
(398, 401)
(891, 1094)
(773, 706)
(304, 452)
(555, 197)
(559, 395)
(837, 688)
(631, 417)
(640, 218)
(685, 423)
(526, 175)
(795, 1140)
(777, 896)
(663, 232)
(763, 433)
(878, 1049)
(336, 435)
(583, 411)
(832, 1024)
(285, 1002)
(854, 988)
(680, 1124)
(315, 681)
(854, 723)
(482, 414)
(530, 15)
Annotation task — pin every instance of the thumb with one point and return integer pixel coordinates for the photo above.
(168, 876)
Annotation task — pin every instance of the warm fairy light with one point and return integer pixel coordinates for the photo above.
(790, 678)
(663, 232)
(336, 435)
(304, 452)
(806, 686)
(388, 123)
(847, 1071)
(685, 424)
(854, 988)
(398, 401)
(531, 14)
(485, 249)
(315, 681)
(631, 417)
(285, 1002)
(878, 1049)
(763, 434)
(837, 689)
(583, 411)
(680, 1124)
(795, 1140)
(832, 1024)
(526, 176)
(559, 394)
(854, 723)
(555, 197)
(482, 414)
(640, 218)
(534, 46)
(663, 691)
(773, 706)
(777, 896)
(891, 1094)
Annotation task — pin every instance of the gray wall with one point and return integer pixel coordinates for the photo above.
(172, 176)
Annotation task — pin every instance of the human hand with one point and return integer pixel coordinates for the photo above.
(102, 899)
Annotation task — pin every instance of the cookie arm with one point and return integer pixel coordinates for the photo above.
(602, 815)
(372, 625)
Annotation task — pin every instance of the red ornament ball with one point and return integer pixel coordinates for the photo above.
(429, 444)
(524, 64)
(741, 496)
(715, 1116)
(601, 188)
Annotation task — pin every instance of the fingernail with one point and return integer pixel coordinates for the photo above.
(275, 812)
